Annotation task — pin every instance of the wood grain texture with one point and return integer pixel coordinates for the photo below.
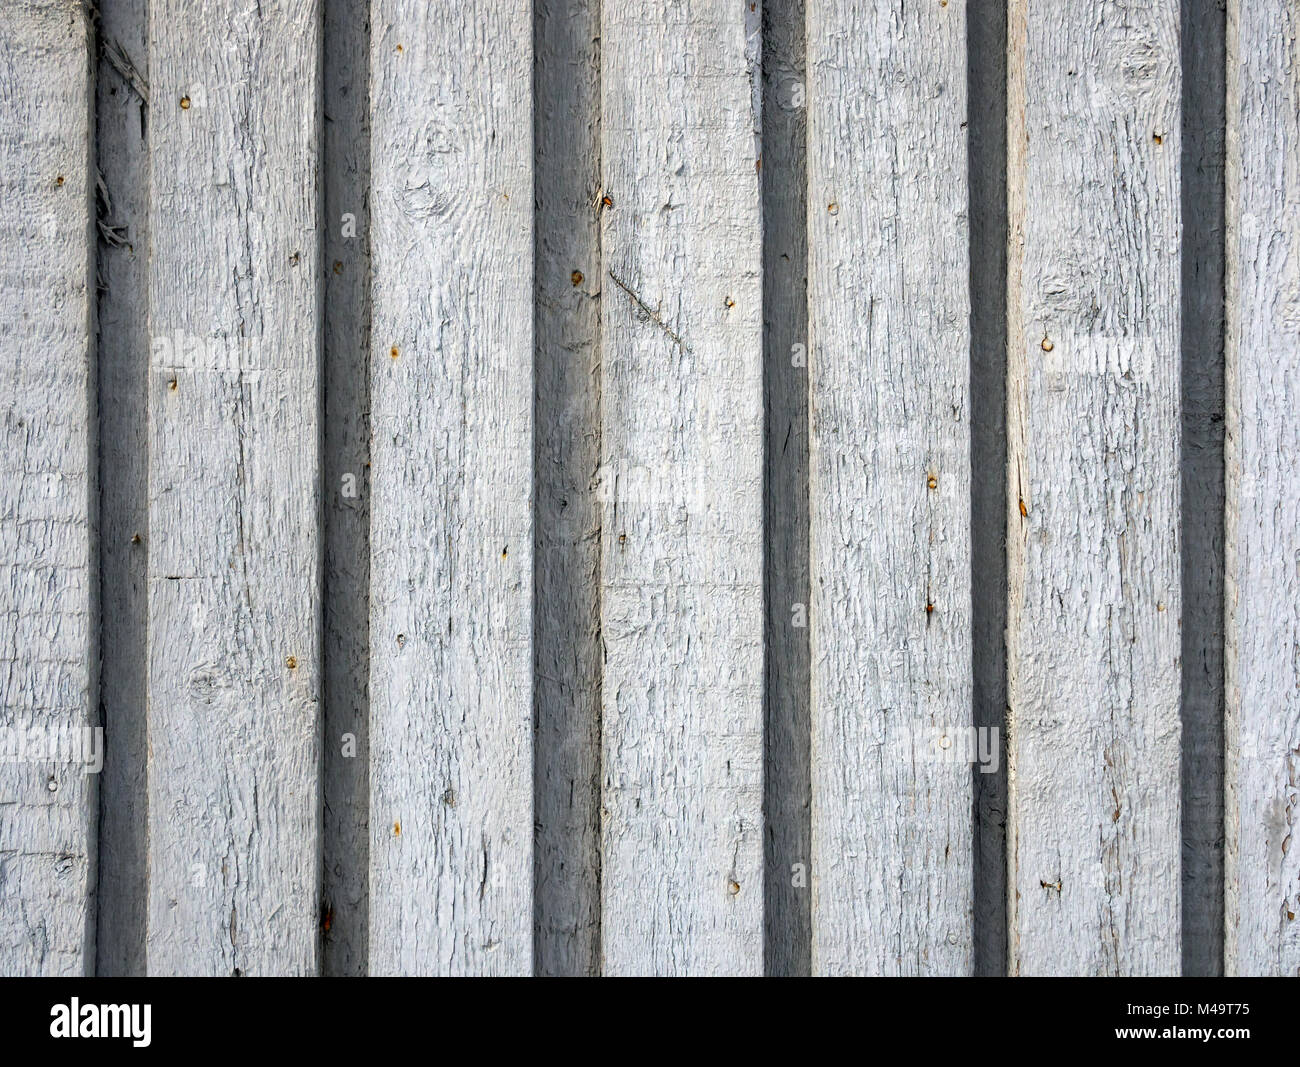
(889, 499)
(1262, 587)
(681, 485)
(566, 588)
(345, 272)
(1093, 487)
(122, 156)
(787, 803)
(234, 508)
(1202, 484)
(451, 840)
(47, 491)
(761, 395)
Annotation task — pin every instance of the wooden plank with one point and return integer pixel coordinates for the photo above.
(1203, 482)
(1093, 488)
(1262, 726)
(681, 481)
(234, 562)
(787, 783)
(47, 565)
(889, 498)
(345, 835)
(451, 827)
(566, 598)
(122, 147)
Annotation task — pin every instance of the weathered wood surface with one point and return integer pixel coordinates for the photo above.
(47, 488)
(345, 270)
(640, 671)
(681, 485)
(1262, 581)
(566, 589)
(122, 155)
(889, 497)
(1093, 488)
(234, 508)
(787, 803)
(451, 580)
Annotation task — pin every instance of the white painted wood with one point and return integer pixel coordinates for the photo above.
(889, 498)
(451, 824)
(345, 835)
(623, 816)
(234, 508)
(1262, 883)
(566, 626)
(47, 489)
(122, 156)
(681, 485)
(1093, 487)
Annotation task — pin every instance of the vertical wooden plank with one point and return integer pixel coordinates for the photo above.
(47, 569)
(451, 525)
(787, 802)
(121, 122)
(1262, 726)
(345, 268)
(234, 605)
(681, 481)
(1093, 487)
(889, 500)
(1203, 482)
(567, 411)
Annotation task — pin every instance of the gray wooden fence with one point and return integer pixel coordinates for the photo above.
(675, 487)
